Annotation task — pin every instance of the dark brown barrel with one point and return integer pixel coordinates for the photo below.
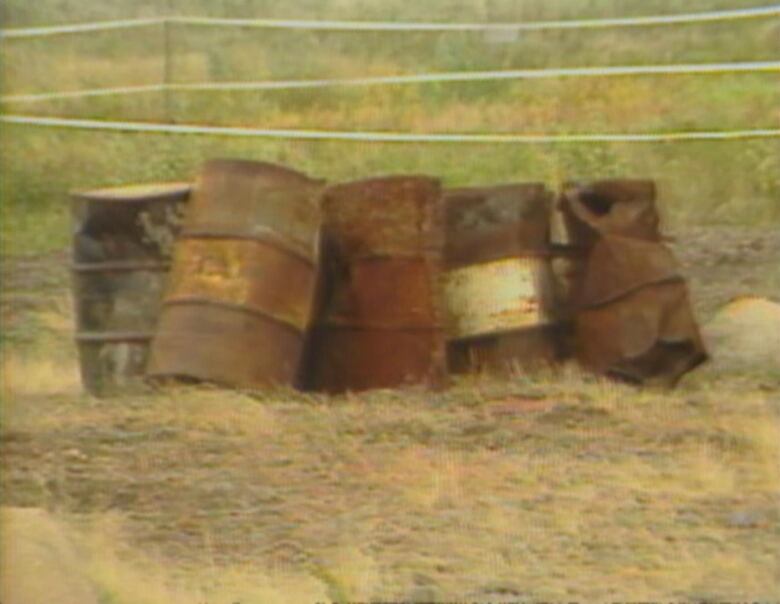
(592, 210)
(631, 310)
(122, 246)
(381, 321)
(634, 319)
(624, 207)
(242, 287)
(498, 285)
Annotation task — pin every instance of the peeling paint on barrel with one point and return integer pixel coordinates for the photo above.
(498, 287)
(122, 243)
(242, 289)
(492, 297)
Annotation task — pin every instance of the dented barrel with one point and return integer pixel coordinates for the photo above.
(381, 319)
(498, 285)
(122, 245)
(242, 286)
(622, 207)
(632, 314)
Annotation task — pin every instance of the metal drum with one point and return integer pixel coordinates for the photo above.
(122, 244)
(381, 320)
(631, 309)
(498, 286)
(242, 287)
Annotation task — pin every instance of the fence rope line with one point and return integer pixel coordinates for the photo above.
(335, 25)
(75, 94)
(387, 137)
(77, 28)
(702, 17)
(458, 76)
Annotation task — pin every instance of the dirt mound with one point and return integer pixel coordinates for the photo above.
(39, 563)
(745, 334)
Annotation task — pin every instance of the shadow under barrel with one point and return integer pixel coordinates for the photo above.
(242, 286)
(499, 288)
(381, 319)
(122, 245)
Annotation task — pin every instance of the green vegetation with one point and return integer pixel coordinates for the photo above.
(722, 182)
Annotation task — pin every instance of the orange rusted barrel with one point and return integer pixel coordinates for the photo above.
(380, 323)
(499, 289)
(242, 287)
(122, 245)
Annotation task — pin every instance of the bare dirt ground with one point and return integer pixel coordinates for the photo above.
(554, 485)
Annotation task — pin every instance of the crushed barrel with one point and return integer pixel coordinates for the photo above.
(242, 286)
(380, 321)
(622, 207)
(122, 246)
(633, 319)
(498, 286)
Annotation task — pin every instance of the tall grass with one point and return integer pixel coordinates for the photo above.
(734, 182)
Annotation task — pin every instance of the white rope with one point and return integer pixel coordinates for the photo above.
(462, 76)
(77, 28)
(513, 74)
(701, 17)
(75, 94)
(386, 137)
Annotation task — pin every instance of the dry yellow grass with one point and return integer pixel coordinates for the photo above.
(609, 492)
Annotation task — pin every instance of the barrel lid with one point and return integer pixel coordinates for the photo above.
(135, 193)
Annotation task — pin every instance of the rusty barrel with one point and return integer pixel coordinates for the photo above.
(622, 207)
(634, 320)
(380, 322)
(631, 308)
(122, 245)
(592, 210)
(242, 286)
(498, 285)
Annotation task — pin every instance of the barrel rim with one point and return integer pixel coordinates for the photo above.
(451, 194)
(389, 179)
(136, 193)
(119, 266)
(237, 308)
(307, 253)
(539, 326)
(107, 337)
(254, 167)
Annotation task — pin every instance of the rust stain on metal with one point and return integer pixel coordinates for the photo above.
(121, 257)
(635, 320)
(632, 314)
(381, 322)
(254, 276)
(499, 289)
(243, 282)
(625, 208)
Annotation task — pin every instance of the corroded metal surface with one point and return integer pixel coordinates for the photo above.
(493, 296)
(631, 313)
(634, 320)
(625, 208)
(122, 245)
(242, 287)
(381, 321)
(498, 288)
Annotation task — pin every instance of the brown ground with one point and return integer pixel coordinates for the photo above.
(546, 486)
